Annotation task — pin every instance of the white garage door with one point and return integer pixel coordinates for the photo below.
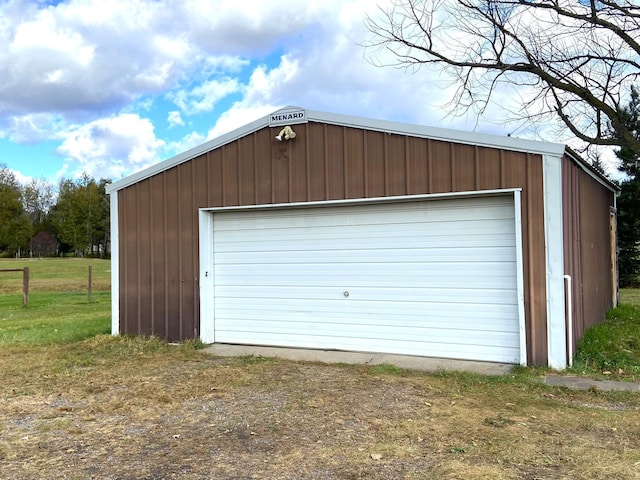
(432, 278)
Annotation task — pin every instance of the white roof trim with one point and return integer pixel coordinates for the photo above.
(447, 135)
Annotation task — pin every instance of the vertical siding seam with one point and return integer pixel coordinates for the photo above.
(152, 266)
(326, 161)
(239, 171)
(137, 236)
(224, 175)
(345, 159)
(532, 307)
(273, 177)
(289, 173)
(429, 165)
(476, 169)
(365, 158)
(207, 160)
(385, 152)
(502, 170)
(407, 167)
(255, 168)
(307, 150)
(452, 166)
(180, 272)
(166, 255)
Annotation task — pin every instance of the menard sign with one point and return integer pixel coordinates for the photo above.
(287, 116)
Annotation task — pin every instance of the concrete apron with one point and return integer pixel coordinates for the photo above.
(410, 362)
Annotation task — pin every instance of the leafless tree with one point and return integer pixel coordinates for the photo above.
(573, 60)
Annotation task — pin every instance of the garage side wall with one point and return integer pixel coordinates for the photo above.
(588, 246)
(158, 216)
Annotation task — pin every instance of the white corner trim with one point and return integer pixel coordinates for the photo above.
(207, 277)
(115, 265)
(554, 256)
(517, 204)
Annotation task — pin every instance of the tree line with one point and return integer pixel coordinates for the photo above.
(40, 219)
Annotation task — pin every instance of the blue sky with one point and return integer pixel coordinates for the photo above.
(108, 88)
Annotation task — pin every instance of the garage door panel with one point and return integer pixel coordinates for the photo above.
(411, 347)
(448, 211)
(400, 333)
(386, 311)
(372, 275)
(306, 319)
(358, 296)
(426, 278)
(410, 233)
(439, 255)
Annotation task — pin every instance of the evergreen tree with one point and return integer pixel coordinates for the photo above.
(629, 200)
(630, 159)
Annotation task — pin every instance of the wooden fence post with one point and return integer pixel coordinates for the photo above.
(90, 282)
(25, 286)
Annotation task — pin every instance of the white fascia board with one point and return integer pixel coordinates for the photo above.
(189, 154)
(115, 265)
(435, 133)
(554, 260)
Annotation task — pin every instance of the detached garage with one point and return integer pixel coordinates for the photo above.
(314, 230)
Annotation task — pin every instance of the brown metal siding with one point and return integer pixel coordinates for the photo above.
(159, 253)
(587, 246)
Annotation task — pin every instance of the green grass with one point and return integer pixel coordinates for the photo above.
(612, 347)
(59, 311)
(630, 296)
(56, 274)
(53, 317)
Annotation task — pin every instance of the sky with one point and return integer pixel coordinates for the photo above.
(108, 88)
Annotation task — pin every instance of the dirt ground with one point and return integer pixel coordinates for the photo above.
(94, 413)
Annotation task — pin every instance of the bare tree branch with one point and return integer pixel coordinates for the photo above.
(577, 59)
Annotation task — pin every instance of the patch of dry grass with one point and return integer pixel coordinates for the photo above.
(129, 408)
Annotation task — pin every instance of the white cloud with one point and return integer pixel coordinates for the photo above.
(111, 146)
(32, 128)
(174, 119)
(238, 116)
(204, 97)
(188, 142)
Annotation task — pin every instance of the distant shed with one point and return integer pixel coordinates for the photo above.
(367, 235)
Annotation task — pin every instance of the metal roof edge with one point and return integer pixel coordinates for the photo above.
(188, 155)
(437, 133)
(588, 168)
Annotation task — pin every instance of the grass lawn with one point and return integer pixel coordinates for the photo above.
(56, 274)
(630, 296)
(77, 405)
